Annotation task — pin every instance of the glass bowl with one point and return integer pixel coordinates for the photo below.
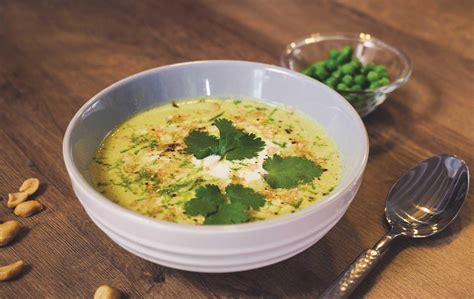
(315, 47)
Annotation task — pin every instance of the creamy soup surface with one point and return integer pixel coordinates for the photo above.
(216, 161)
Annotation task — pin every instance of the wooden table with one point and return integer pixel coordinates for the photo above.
(55, 55)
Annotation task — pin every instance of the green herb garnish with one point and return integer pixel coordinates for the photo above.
(232, 144)
(228, 213)
(246, 196)
(288, 172)
(217, 116)
(269, 117)
(205, 202)
(140, 142)
(280, 144)
(228, 208)
(201, 144)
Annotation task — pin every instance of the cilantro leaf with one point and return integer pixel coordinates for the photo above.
(288, 172)
(248, 147)
(200, 144)
(228, 208)
(233, 143)
(246, 196)
(228, 213)
(229, 136)
(206, 201)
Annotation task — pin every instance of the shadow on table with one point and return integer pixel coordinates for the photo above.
(310, 272)
(382, 131)
(393, 121)
(305, 274)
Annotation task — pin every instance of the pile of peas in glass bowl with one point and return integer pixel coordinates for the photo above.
(363, 69)
(343, 72)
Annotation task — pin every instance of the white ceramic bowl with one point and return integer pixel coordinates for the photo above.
(222, 248)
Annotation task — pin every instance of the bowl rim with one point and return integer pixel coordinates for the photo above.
(361, 37)
(79, 180)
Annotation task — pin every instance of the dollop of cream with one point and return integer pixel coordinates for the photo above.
(253, 169)
(214, 166)
(248, 170)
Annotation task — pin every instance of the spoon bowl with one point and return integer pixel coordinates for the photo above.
(428, 197)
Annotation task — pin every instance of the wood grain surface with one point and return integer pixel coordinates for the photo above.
(55, 55)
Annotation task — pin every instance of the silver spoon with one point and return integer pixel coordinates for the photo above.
(421, 203)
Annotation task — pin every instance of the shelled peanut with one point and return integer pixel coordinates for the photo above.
(8, 231)
(28, 208)
(106, 292)
(11, 271)
(19, 200)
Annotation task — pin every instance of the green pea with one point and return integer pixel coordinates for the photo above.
(372, 76)
(342, 87)
(347, 50)
(384, 81)
(374, 85)
(333, 54)
(316, 66)
(383, 74)
(319, 64)
(380, 69)
(335, 80)
(331, 82)
(350, 98)
(330, 85)
(337, 74)
(345, 55)
(307, 71)
(320, 73)
(348, 80)
(369, 67)
(356, 87)
(360, 79)
(347, 69)
(356, 64)
(331, 65)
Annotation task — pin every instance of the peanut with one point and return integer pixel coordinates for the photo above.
(28, 208)
(106, 292)
(15, 199)
(11, 271)
(30, 186)
(8, 231)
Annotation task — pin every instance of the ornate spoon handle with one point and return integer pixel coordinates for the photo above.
(348, 281)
